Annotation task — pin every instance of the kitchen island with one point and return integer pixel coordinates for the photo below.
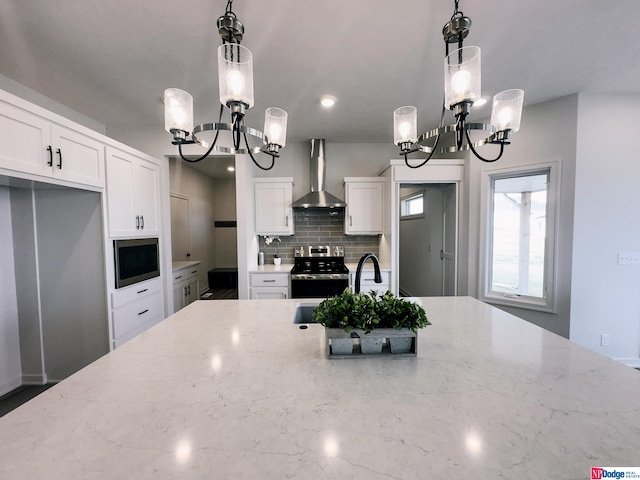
(232, 389)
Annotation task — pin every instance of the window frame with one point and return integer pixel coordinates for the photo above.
(548, 302)
(411, 196)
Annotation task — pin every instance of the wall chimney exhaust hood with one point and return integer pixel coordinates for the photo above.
(317, 197)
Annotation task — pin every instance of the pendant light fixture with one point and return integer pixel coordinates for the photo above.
(461, 91)
(235, 84)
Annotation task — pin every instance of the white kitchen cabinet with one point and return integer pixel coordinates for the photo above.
(133, 186)
(269, 286)
(365, 205)
(34, 145)
(186, 285)
(135, 309)
(367, 281)
(273, 199)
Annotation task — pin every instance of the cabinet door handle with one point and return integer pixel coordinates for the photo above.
(268, 281)
(143, 312)
(142, 222)
(142, 291)
(350, 221)
(137, 222)
(286, 221)
(50, 150)
(195, 271)
(60, 156)
(178, 278)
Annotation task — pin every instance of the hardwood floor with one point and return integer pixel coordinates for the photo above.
(20, 395)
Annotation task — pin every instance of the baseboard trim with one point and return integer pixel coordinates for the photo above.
(34, 379)
(629, 362)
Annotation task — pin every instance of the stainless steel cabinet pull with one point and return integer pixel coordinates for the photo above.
(195, 271)
(185, 291)
(350, 221)
(142, 291)
(268, 281)
(50, 150)
(286, 221)
(189, 289)
(178, 278)
(59, 155)
(143, 312)
(142, 222)
(137, 222)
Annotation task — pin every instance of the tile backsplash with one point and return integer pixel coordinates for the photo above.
(320, 226)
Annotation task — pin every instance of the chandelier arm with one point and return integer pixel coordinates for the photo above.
(273, 157)
(475, 152)
(433, 150)
(208, 152)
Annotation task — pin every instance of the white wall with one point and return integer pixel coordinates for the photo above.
(605, 296)
(10, 366)
(548, 133)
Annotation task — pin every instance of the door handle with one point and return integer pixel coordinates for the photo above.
(60, 156)
(50, 150)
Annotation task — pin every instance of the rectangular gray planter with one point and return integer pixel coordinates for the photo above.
(382, 336)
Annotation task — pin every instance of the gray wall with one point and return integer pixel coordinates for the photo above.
(10, 366)
(548, 133)
(605, 296)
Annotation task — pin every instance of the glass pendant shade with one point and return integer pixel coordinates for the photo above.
(275, 126)
(178, 110)
(462, 76)
(235, 75)
(507, 110)
(405, 125)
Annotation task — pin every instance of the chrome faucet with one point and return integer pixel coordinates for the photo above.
(376, 266)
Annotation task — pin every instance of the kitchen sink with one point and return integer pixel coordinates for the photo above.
(304, 312)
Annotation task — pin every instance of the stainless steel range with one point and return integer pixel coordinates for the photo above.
(318, 272)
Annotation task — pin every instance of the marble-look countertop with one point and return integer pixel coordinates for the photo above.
(232, 389)
(367, 267)
(177, 265)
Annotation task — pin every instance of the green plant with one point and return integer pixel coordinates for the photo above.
(367, 311)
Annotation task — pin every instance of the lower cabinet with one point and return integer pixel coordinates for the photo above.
(273, 286)
(186, 285)
(135, 309)
(367, 281)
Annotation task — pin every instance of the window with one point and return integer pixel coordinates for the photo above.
(520, 238)
(412, 206)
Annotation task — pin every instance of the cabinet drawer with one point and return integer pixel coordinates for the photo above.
(136, 315)
(135, 292)
(270, 280)
(367, 278)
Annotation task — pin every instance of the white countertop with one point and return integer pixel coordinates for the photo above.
(232, 389)
(271, 268)
(367, 267)
(184, 264)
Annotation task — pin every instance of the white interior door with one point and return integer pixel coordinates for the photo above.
(180, 238)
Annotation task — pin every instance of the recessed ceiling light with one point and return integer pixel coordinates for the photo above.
(231, 169)
(328, 101)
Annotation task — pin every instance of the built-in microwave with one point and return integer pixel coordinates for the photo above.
(136, 260)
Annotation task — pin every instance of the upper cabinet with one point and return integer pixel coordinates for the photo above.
(34, 145)
(365, 205)
(273, 199)
(133, 195)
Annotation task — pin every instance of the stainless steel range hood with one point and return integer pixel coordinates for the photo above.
(317, 197)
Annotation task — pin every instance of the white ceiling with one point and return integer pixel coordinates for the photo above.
(111, 60)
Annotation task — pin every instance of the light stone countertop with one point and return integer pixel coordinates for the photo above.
(177, 265)
(232, 389)
(271, 268)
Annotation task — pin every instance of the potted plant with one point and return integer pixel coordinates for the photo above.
(267, 241)
(371, 318)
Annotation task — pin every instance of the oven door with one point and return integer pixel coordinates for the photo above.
(317, 287)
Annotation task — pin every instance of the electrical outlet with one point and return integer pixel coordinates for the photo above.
(629, 258)
(604, 340)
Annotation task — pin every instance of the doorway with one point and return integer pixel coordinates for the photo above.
(180, 240)
(428, 239)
